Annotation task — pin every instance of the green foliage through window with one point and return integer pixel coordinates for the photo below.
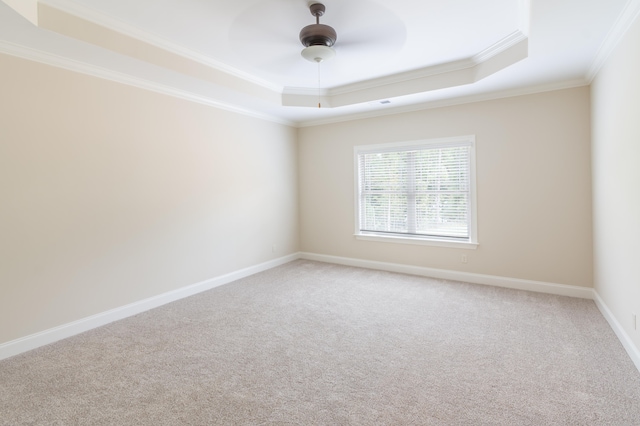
(422, 191)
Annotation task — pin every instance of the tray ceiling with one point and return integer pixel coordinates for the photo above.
(245, 55)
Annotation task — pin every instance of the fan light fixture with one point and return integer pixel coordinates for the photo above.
(317, 38)
(318, 53)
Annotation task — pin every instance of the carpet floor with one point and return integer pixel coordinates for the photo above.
(310, 343)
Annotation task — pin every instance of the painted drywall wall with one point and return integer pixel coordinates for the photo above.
(533, 186)
(616, 181)
(112, 194)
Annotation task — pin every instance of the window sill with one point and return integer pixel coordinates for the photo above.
(418, 241)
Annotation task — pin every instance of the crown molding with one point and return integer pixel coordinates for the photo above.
(622, 25)
(305, 91)
(450, 67)
(442, 103)
(505, 52)
(73, 8)
(28, 9)
(509, 41)
(510, 50)
(438, 76)
(495, 57)
(426, 72)
(57, 61)
(524, 16)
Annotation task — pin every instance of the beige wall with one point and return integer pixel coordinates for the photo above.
(616, 181)
(533, 183)
(112, 194)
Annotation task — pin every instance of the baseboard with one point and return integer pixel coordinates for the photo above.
(52, 335)
(627, 343)
(514, 283)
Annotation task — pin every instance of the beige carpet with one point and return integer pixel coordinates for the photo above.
(318, 344)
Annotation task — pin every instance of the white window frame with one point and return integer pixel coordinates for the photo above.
(471, 243)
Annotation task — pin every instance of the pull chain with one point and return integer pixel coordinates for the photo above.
(318, 84)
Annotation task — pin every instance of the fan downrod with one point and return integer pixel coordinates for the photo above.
(318, 34)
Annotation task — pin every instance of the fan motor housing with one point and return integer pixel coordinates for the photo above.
(318, 34)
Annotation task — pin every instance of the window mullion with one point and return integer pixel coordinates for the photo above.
(363, 211)
(411, 192)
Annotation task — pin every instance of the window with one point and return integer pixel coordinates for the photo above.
(417, 192)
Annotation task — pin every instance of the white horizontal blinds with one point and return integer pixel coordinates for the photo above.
(384, 200)
(416, 191)
(442, 192)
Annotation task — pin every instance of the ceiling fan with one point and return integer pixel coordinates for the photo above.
(318, 38)
(264, 40)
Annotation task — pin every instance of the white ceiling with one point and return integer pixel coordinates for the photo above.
(245, 55)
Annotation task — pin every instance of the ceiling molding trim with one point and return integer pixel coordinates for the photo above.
(107, 21)
(524, 16)
(441, 103)
(507, 42)
(622, 25)
(499, 47)
(28, 9)
(450, 67)
(508, 51)
(305, 91)
(446, 68)
(57, 61)
(374, 83)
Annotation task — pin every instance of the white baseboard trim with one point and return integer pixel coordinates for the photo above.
(27, 343)
(514, 283)
(627, 343)
(52, 335)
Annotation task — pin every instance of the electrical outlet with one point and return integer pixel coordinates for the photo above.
(463, 258)
(635, 321)
(273, 248)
